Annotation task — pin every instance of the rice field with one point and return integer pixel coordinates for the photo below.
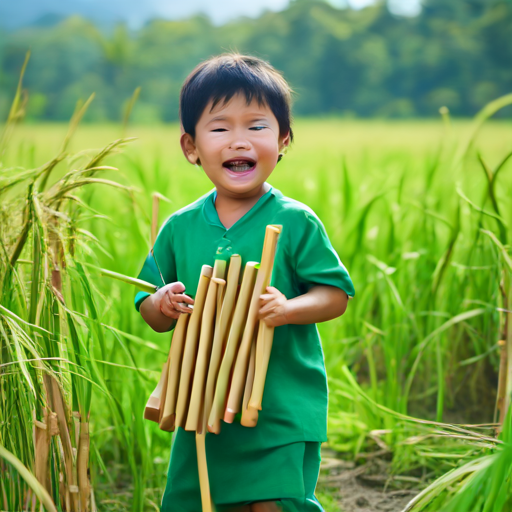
(420, 214)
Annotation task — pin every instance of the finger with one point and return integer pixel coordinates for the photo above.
(169, 311)
(267, 296)
(268, 317)
(173, 302)
(267, 309)
(177, 287)
(167, 308)
(270, 322)
(179, 297)
(168, 302)
(183, 308)
(272, 289)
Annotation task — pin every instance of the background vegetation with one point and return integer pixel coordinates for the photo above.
(339, 61)
(409, 216)
(419, 211)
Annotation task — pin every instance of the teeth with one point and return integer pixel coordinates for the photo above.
(240, 167)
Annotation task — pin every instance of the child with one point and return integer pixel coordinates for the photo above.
(235, 115)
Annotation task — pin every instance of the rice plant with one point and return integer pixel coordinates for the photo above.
(482, 484)
(50, 330)
(419, 366)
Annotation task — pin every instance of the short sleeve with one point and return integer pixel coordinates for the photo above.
(160, 265)
(316, 260)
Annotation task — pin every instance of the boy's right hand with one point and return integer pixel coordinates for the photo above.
(169, 299)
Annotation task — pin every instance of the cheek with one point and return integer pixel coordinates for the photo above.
(267, 149)
(209, 147)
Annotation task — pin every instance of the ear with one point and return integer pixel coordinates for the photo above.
(189, 148)
(285, 142)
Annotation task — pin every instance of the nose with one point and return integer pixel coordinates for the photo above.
(239, 141)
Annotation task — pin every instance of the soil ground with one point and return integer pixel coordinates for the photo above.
(344, 486)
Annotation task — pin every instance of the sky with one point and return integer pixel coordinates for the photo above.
(15, 13)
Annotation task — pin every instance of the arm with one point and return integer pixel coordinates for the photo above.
(319, 304)
(161, 310)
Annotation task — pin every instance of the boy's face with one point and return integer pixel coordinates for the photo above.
(237, 145)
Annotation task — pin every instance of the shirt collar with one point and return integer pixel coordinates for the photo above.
(211, 216)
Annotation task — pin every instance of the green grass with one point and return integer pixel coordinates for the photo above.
(405, 214)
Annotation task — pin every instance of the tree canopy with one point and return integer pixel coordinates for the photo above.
(338, 61)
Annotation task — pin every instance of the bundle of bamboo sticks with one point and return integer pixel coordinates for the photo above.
(220, 346)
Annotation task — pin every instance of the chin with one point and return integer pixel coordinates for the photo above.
(243, 188)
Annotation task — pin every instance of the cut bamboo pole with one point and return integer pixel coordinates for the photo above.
(196, 416)
(221, 330)
(263, 349)
(203, 358)
(262, 281)
(250, 416)
(174, 367)
(190, 350)
(204, 483)
(153, 407)
(239, 316)
(219, 270)
(221, 292)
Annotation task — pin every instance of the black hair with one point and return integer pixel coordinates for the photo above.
(223, 76)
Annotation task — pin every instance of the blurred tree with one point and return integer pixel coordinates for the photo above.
(339, 61)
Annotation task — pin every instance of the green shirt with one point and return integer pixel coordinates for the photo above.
(295, 397)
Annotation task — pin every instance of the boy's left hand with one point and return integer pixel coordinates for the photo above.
(273, 307)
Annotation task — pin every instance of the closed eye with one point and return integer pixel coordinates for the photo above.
(257, 128)
(219, 130)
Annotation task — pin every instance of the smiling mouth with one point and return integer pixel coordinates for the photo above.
(239, 165)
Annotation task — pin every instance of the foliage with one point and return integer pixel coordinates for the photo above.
(339, 61)
(418, 212)
(54, 347)
(483, 484)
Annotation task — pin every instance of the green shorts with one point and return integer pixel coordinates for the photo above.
(240, 474)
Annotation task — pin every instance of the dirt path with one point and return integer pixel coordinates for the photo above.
(363, 488)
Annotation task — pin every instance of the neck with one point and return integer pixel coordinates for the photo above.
(230, 208)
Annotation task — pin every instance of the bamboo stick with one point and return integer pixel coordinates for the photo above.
(221, 292)
(219, 400)
(262, 281)
(219, 270)
(263, 349)
(203, 358)
(174, 367)
(153, 407)
(250, 416)
(204, 483)
(221, 330)
(190, 350)
(196, 416)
